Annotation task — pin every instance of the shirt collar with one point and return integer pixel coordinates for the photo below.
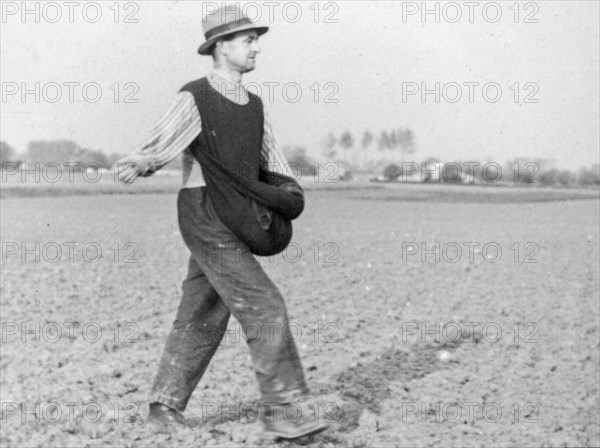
(233, 91)
(224, 77)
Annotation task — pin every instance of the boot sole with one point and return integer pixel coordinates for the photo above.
(166, 425)
(310, 432)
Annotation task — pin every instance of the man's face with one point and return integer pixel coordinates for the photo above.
(240, 52)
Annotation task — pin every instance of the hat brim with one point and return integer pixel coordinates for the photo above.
(205, 48)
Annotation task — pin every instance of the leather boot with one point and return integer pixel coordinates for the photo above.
(165, 418)
(291, 420)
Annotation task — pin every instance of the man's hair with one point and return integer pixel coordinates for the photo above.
(225, 38)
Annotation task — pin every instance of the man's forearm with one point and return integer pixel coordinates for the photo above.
(169, 137)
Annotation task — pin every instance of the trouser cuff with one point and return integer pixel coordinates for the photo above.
(172, 402)
(286, 396)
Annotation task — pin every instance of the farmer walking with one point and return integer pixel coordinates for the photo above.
(226, 141)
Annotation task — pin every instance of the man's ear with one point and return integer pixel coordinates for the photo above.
(220, 47)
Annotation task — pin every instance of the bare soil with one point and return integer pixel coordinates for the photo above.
(522, 371)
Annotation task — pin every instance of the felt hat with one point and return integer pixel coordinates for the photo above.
(227, 19)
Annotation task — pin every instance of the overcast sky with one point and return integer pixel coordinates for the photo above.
(365, 62)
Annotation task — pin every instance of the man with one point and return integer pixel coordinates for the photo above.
(223, 277)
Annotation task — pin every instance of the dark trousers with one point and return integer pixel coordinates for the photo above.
(225, 279)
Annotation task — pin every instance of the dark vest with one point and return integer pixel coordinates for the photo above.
(235, 131)
(242, 192)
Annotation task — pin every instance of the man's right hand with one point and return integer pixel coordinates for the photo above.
(128, 169)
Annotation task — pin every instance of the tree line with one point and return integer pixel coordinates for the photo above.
(56, 151)
(401, 143)
(399, 139)
(61, 152)
(536, 172)
(342, 149)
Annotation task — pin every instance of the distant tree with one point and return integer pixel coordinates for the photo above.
(431, 161)
(392, 172)
(329, 145)
(7, 152)
(385, 141)
(113, 157)
(406, 140)
(346, 140)
(64, 151)
(475, 168)
(452, 172)
(549, 177)
(589, 177)
(527, 171)
(98, 158)
(566, 178)
(432, 171)
(58, 151)
(367, 139)
(346, 176)
(402, 139)
(299, 162)
(554, 176)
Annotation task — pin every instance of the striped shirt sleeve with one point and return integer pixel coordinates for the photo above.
(272, 156)
(171, 135)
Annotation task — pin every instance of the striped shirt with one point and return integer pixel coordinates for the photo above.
(181, 124)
